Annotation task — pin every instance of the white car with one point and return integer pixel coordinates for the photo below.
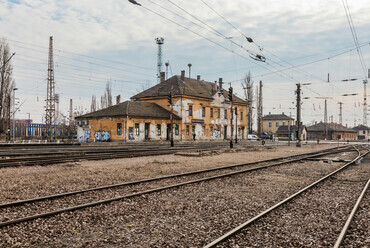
(253, 137)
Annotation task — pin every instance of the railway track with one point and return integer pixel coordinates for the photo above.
(295, 213)
(60, 203)
(22, 158)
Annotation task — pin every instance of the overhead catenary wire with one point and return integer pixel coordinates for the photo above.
(354, 35)
(282, 74)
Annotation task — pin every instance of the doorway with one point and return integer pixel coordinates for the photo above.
(146, 131)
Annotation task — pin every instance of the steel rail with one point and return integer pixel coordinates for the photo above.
(292, 159)
(91, 204)
(76, 157)
(264, 213)
(350, 218)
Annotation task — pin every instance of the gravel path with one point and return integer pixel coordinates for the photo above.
(314, 219)
(189, 216)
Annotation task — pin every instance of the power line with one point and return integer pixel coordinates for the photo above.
(83, 55)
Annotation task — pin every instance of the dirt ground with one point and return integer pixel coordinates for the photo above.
(27, 182)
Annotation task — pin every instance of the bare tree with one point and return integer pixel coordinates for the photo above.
(7, 85)
(108, 91)
(249, 96)
(93, 107)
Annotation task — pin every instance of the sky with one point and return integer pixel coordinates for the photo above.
(96, 42)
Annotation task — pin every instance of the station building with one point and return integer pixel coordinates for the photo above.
(199, 107)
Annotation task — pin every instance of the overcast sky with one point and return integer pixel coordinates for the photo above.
(114, 40)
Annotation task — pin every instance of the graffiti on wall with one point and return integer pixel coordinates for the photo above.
(85, 137)
(102, 136)
(216, 133)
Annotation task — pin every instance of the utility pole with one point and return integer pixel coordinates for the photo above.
(236, 125)
(8, 131)
(299, 114)
(171, 116)
(340, 112)
(14, 113)
(231, 117)
(365, 103)
(259, 111)
(70, 112)
(50, 99)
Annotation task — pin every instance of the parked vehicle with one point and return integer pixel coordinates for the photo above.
(253, 137)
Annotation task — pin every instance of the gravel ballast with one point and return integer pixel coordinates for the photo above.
(189, 216)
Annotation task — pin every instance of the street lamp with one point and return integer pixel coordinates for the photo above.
(14, 113)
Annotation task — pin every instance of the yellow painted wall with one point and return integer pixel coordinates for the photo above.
(181, 108)
(266, 128)
(110, 125)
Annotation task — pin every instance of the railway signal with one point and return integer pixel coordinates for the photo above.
(231, 94)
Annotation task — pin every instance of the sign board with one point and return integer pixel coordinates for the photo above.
(200, 121)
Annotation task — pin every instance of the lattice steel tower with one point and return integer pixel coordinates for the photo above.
(160, 42)
(50, 95)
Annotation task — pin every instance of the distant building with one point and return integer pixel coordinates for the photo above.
(284, 132)
(363, 132)
(271, 122)
(330, 131)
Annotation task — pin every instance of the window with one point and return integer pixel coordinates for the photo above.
(283, 123)
(211, 130)
(363, 132)
(119, 128)
(159, 127)
(241, 115)
(270, 123)
(211, 112)
(203, 111)
(277, 123)
(225, 113)
(176, 129)
(193, 129)
(187, 129)
(190, 110)
(218, 113)
(137, 129)
(203, 130)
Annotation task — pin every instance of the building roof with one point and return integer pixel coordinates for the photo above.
(277, 117)
(188, 87)
(361, 127)
(285, 129)
(132, 109)
(332, 127)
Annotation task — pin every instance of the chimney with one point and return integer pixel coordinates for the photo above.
(269, 113)
(198, 77)
(283, 113)
(220, 83)
(182, 75)
(214, 87)
(163, 76)
(118, 99)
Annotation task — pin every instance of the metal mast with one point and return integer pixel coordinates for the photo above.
(298, 115)
(259, 111)
(50, 95)
(365, 105)
(340, 112)
(160, 42)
